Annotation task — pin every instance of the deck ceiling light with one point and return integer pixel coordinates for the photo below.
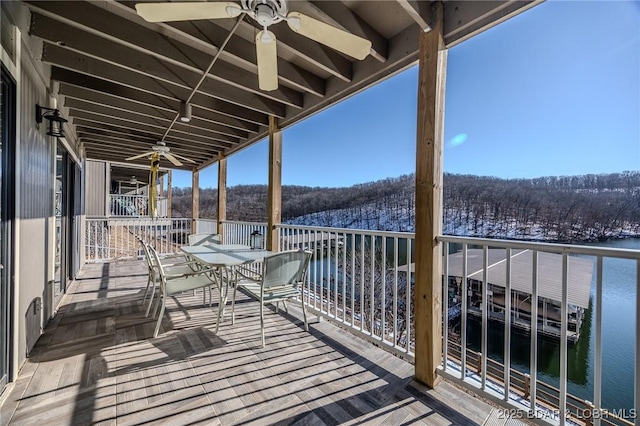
(185, 112)
(55, 120)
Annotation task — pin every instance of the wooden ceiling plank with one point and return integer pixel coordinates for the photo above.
(339, 15)
(112, 49)
(81, 86)
(152, 131)
(116, 139)
(125, 114)
(131, 67)
(123, 148)
(94, 18)
(245, 51)
(420, 12)
(131, 81)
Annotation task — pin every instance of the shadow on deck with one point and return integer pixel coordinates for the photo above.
(96, 363)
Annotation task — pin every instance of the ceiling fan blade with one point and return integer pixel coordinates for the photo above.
(135, 157)
(187, 11)
(335, 38)
(183, 158)
(267, 55)
(173, 159)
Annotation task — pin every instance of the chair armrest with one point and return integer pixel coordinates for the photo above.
(199, 272)
(248, 274)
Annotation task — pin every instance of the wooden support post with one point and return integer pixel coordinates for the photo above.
(527, 386)
(169, 192)
(479, 363)
(195, 199)
(428, 257)
(222, 192)
(274, 196)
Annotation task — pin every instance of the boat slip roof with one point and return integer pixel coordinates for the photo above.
(580, 272)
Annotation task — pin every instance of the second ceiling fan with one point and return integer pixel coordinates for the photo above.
(265, 13)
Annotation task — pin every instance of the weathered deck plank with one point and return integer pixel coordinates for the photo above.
(97, 364)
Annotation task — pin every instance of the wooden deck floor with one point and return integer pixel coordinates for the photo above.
(98, 364)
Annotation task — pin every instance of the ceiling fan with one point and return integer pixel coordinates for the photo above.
(161, 149)
(132, 181)
(265, 13)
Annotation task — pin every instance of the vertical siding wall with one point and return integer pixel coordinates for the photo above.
(36, 153)
(95, 188)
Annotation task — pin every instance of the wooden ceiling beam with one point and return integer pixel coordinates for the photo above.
(150, 130)
(420, 12)
(123, 148)
(128, 80)
(117, 138)
(154, 65)
(339, 15)
(68, 59)
(323, 58)
(97, 153)
(81, 86)
(159, 121)
(172, 82)
(128, 30)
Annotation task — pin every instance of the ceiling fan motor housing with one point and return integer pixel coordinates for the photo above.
(266, 12)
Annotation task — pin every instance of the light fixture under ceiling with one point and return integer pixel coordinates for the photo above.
(185, 112)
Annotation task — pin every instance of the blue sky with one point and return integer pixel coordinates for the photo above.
(553, 91)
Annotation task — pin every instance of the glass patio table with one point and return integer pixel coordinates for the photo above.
(226, 258)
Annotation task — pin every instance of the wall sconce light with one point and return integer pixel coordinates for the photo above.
(55, 120)
(185, 112)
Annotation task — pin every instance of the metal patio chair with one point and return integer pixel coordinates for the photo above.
(171, 283)
(283, 275)
(175, 265)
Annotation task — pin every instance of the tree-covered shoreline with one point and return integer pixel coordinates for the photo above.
(567, 209)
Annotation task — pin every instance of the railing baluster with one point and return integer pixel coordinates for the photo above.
(445, 305)
(533, 364)
(372, 283)
(507, 328)
(563, 338)
(637, 366)
(463, 318)
(353, 278)
(407, 314)
(383, 311)
(485, 315)
(344, 277)
(362, 248)
(395, 292)
(597, 371)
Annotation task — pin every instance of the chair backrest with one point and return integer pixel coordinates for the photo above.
(156, 265)
(147, 255)
(288, 268)
(203, 239)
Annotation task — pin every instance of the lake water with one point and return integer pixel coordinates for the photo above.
(618, 339)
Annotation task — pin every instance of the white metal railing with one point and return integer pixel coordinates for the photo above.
(206, 226)
(532, 398)
(353, 283)
(357, 279)
(127, 205)
(115, 239)
(235, 232)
